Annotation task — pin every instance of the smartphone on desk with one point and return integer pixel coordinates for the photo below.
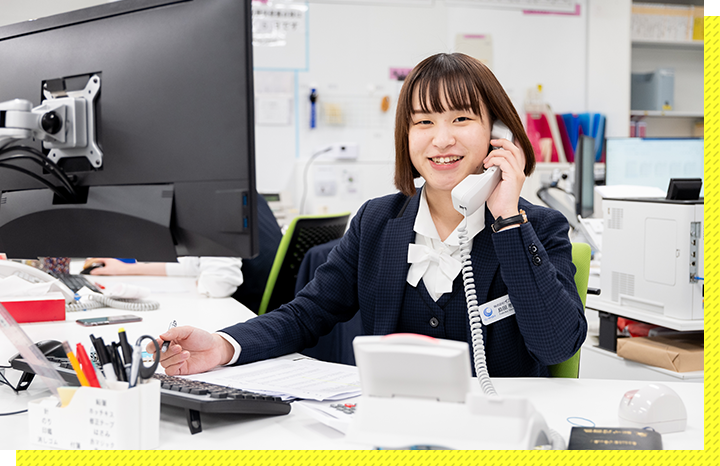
(95, 321)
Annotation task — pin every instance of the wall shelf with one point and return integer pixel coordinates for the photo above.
(670, 44)
(669, 114)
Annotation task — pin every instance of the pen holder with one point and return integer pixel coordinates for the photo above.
(99, 419)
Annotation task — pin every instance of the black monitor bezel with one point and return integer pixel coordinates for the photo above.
(237, 238)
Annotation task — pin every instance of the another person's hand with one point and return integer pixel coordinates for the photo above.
(109, 266)
(192, 351)
(117, 267)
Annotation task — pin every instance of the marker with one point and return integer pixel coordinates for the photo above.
(126, 349)
(104, 357)
(86, 366)
(117, 362)
(75, 365)
(313, 101)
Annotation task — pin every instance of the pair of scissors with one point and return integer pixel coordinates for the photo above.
(138, 369)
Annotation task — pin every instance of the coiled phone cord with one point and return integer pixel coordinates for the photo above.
(473, 312)
(97, 300)
(556, 440)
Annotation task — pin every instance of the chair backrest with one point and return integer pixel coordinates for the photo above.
(304, 232)
(581, 258)
(257, 270)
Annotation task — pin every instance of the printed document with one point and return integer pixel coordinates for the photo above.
(299, 378)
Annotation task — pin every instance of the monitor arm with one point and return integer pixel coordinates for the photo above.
(65, 122)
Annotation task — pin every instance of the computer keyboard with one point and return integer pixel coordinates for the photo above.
(194, 396)
(203, 397)
(75, 282)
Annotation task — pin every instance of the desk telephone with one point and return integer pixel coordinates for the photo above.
(417, 389)
(31, 274)
(96, 299)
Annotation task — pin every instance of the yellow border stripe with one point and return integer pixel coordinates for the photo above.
(465, 458)
(712, 179)
(353, 458)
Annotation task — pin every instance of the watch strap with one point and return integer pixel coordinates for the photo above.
(501, 223)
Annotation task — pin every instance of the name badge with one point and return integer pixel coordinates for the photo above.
(496, 309)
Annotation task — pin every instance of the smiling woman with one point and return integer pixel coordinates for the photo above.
(458, 83)
(398, 264)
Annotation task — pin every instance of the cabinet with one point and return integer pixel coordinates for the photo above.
(597, 362)
(686, 57)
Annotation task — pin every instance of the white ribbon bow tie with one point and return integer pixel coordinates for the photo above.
(420, 257)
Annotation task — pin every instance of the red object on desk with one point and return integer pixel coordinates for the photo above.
(86, 365)
(35, 309)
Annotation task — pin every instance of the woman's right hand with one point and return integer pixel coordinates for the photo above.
(192, 351)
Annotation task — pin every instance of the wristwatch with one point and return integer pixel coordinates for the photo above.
(501, 223)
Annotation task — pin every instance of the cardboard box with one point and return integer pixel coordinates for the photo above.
(49, 307)
(677, 352)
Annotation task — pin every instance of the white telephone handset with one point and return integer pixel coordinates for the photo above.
(33, 275)
(472, 192)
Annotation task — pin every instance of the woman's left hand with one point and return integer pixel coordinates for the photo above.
(510, 159)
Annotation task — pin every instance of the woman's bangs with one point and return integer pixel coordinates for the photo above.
(460, 94)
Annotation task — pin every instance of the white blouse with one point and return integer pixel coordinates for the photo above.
(434, 261)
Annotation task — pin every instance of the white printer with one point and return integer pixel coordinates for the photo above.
(652, 256)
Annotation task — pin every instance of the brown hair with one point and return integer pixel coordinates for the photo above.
(467, 84)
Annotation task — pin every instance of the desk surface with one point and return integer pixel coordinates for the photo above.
(560, 401)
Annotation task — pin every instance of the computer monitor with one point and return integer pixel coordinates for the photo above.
(653, 161)
(167, 167)
(684, 189)
(584, 184)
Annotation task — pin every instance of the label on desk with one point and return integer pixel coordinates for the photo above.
(99, 419)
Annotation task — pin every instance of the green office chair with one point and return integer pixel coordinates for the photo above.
(304, 232)
(581, 258)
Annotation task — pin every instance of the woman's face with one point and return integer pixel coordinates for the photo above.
(447, 147)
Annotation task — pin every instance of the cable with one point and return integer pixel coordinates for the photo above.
(45, 162)
(473, 311)
(15, 412)
(83, 306)
(550, 201)
(557, 441)
(312, 158)
(38, 157)
(98, 300)
(39, 178)
(5, 381)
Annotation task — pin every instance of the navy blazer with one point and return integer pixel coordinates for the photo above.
(367, 271)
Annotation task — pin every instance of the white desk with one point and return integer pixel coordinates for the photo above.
(556, 399)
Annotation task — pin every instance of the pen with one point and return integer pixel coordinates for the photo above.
(104, 357)
(86, 365)
(167, 343)
(126, 349)
(75, 365)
